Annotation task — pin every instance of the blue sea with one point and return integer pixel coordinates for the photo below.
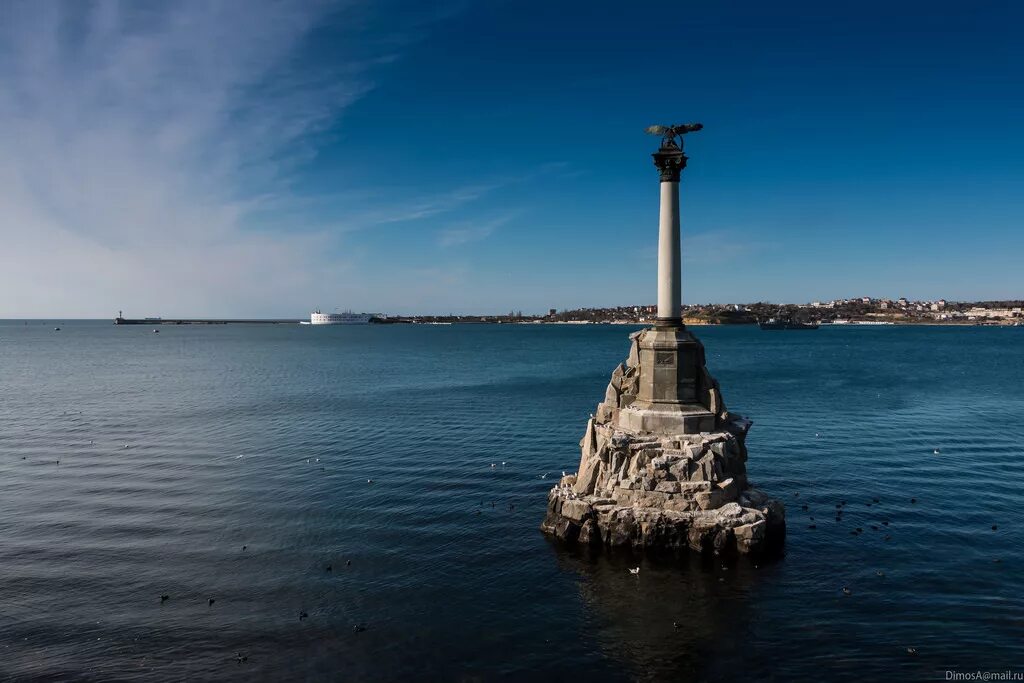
(362, 503)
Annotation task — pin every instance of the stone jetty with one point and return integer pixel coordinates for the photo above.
(663, 462)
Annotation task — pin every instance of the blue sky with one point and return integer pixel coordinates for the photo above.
(262, 159)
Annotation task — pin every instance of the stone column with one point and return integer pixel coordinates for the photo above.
(670, 161)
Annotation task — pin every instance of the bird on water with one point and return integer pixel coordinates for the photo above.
(634, 570)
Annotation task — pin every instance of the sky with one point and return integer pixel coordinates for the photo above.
(262, 159)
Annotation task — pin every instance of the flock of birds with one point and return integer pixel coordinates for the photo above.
(840, 508)
(303, 614)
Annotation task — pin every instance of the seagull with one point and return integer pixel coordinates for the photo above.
(369, 481)
(502, 463)
(847, 591)
(936, 451)
(634, 570)
(676, 624)
(165, 598)
(244, 547)
(348, 563)
(302, 615)
(126, 445)
(359, 628)
(212, 600)
(494, 464)
(544, 476)
(563, 473)
(911, 650)
(241, 658)
(880, 573)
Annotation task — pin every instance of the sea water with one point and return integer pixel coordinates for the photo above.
(237, 463)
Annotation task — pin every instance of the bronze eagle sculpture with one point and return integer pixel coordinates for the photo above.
(670, 133)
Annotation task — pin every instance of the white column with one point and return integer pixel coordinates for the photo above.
(669, 269)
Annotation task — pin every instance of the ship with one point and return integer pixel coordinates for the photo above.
(776, 324)
(346, 318)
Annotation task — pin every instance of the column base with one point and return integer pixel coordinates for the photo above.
(669, 322)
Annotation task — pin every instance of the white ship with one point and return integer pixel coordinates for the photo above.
(346, 318)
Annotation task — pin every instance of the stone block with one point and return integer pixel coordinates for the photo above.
(617, 374)
(589, 533)
(624, 496)
(575, 510)
(752, 498)
(730, 511)
(750, 537)
(680, 504)
(586, 478)
(692, 487)
(651, 499)
(667, 486)
(715, 498)
(588, 442)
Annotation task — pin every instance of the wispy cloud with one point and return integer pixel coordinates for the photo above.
(713, 247)
(463, 233)
(138, 140)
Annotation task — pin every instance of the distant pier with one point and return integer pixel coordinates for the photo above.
(202, 321)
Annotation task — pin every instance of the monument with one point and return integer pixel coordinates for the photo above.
(663, 461)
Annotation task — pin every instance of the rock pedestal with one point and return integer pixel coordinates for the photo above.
(663, 462)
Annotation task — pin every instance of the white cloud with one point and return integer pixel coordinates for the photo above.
(137, 142)
(463, 233)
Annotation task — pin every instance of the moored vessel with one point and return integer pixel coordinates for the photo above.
(776, 324)
(345, 318)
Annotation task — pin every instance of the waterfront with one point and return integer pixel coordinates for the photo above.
(267, 436)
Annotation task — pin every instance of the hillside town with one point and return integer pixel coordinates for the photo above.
(856, 311)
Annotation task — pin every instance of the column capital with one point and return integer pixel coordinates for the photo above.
(670, 161)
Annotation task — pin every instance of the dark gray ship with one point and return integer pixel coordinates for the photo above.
(776, 324)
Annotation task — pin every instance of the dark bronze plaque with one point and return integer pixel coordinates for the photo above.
(664, 358)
